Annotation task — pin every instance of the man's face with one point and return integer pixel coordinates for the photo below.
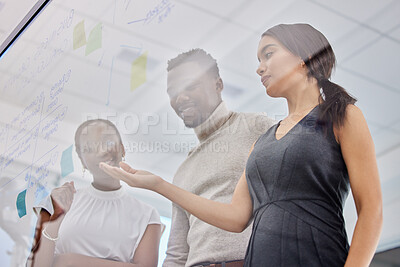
(194, 94)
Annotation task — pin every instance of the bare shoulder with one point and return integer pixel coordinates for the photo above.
(353, 113)
(354, 123)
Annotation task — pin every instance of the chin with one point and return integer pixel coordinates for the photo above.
(189, 124)
(273, 92)
(192, 123)
(269, 93)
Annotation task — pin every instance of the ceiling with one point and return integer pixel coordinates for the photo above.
(365, 36)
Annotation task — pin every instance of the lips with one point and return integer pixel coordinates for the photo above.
(265, 79)
(186, 110)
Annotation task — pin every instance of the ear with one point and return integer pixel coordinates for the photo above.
(220, 85)
(123, 150)
(83, 162)
(80, 156)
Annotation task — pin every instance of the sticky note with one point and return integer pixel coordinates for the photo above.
(21, 206)
(79, 35)
(67, 165)
(138, 71)
(94, 40)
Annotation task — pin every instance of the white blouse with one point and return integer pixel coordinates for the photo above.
(103, 224)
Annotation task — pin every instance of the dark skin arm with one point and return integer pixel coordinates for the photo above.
(43, 248)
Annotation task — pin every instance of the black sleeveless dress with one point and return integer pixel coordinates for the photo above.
(298, 185)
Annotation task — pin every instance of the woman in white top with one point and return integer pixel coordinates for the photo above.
(100, 225)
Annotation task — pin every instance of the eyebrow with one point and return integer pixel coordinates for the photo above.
(265, 48)
(186, 83)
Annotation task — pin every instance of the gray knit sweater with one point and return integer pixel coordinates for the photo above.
(212, 170)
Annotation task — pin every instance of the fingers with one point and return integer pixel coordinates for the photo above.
(120, 174)
(127, 168)
(70, 186)
(62, 197)
(114, 172)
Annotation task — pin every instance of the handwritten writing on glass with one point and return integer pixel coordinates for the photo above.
(66, 163)
(47, 51)
(56, 89)
(162, 10)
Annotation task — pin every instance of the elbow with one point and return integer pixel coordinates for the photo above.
(373, 214)
(236, 230)
(377, 219)
(236, 220)
(239, 226)
(379, 216)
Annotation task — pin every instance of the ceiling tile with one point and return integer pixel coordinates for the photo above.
(353, 41)
(373, 127)
(387, 18)
(308, 12)
(395, 33)
(385, 140)
(390, 235)
(378, 62)
(356, 10)
(256, 14)
(378, 104)
(218, 8)
(396, 126)
(388, 165)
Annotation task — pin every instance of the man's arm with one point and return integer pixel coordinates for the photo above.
(178, 249)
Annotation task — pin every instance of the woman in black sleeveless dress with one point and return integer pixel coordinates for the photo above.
(300, 171)
(298, 185)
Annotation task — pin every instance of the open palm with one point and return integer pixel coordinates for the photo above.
(133, 177)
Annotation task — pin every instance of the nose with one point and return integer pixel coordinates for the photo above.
(181, 98)
(261, 69)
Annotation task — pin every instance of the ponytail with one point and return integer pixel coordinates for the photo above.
(335, 100)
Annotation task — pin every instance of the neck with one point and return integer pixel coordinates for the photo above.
(220, 115)
(303, 98)
(106, 183)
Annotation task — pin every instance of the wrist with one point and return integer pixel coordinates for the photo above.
(53, 225)
(159, 185)
(49, 236)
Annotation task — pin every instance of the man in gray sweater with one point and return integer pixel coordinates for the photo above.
(214, 166)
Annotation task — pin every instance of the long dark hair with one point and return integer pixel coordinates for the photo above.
(314, 49)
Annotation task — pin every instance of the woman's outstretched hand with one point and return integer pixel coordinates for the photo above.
(134, 178)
